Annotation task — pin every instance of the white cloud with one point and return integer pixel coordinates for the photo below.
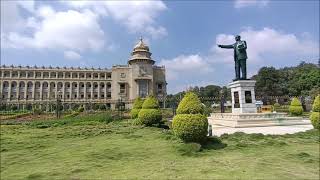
(184, 66)
(137, 16)
(72, 55)
(59, 30)
(11, 16)
(264, 42)
(247, 3)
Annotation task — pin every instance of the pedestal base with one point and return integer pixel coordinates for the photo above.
(243, 96)
(255, 119)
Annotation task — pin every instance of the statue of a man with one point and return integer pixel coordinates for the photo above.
(240, 56)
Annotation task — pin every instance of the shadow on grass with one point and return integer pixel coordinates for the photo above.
(213, 143)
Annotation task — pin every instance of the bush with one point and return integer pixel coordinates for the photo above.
(137, 105)
(137, 122)
(276, 107)
(190, 104)
(150, 116)
(134, 113)
(36, 111)
(81, 109)
(190, 127)
(316, 104)
(315, 115)
(150, 103)
(73, 114)
(102, 107)
(295, 107)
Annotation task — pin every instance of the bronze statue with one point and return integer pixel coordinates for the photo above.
(240, 57)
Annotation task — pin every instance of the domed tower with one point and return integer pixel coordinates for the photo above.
(144, 73)
(141, 54)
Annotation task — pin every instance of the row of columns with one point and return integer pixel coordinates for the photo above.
(9, 91)
(107, 75)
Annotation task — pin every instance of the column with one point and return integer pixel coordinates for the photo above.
(9, 92)
(105, 90)
(92, 90)
(78, 89)
(63, 89)
(25, 89)
(49, 89)
(34, 89)
(70, 97)
(56, 90)
(99, 94)
(18, 89)
(41, 89)
(85, 90)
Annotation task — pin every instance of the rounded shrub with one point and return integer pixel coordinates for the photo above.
(137, 105)
(315, 115)
(150, 116)
(316, 104)
(276, 107)
(190, 127)
(81, 109)
(295, 107)
(190, 104)
(134, 113)
(150, 103)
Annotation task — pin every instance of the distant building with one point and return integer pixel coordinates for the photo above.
(43, 85)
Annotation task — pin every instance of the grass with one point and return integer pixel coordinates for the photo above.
(95, 147)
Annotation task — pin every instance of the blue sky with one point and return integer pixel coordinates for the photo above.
(182, 35)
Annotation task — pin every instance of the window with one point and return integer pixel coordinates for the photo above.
(122, 88)
(248, 98)
(143, 88)
(236, 99)
(160, 89)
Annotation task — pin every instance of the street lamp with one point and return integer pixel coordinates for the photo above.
(58, 113)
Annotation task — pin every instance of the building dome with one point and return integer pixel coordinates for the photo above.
(141, 46)
(141, 53)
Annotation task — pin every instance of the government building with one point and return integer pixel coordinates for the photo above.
(28, 86)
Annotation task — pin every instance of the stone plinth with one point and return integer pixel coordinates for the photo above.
(243, 96)
(255, 119)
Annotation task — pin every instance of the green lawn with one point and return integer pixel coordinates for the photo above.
(89, 149)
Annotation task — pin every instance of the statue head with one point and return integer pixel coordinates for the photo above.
(238, 37)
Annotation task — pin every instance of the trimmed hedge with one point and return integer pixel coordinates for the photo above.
(190, 104)
(315, 115)
(295, 107)
(190, 127)
(150, 113)
(190, 124)
(137, 105)
(150, 116)
(150, 103)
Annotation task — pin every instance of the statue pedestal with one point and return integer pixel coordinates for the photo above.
(243, 96)
(244, 110)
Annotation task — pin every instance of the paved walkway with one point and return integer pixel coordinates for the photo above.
(219, 130)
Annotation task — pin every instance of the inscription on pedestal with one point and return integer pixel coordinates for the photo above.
(236, 99)
(248, 98)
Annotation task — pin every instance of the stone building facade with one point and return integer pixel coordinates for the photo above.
(44, 85)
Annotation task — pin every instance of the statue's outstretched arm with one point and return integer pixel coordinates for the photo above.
(226, 46)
